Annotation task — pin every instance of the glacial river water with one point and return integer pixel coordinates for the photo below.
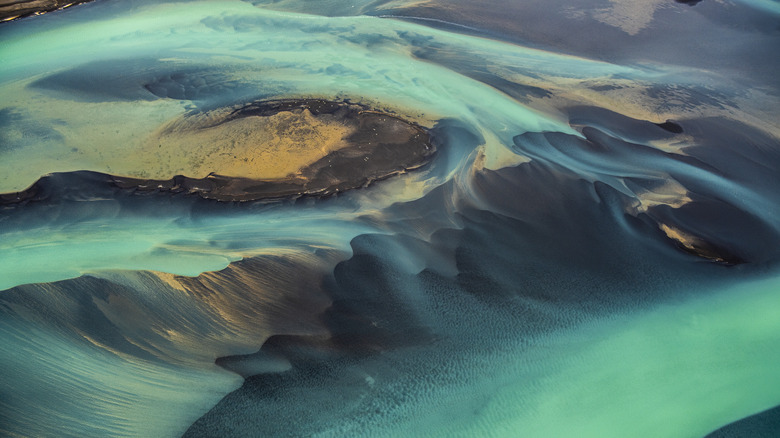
(467, 218)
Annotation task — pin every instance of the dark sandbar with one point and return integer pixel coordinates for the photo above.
(13, 9)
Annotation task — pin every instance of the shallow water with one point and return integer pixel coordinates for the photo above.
(592, 250)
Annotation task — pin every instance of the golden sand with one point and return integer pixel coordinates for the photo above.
(255, 147)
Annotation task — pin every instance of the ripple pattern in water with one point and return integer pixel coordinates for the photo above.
(394, 218)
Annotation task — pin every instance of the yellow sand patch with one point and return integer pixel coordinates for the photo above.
(685, 239)
(253, 147)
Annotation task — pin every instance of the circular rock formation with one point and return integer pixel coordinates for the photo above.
(264, 150)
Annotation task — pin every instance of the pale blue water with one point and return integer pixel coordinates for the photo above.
(563, 267)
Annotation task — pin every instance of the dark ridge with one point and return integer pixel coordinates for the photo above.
(710, 225)
(689, 2)
(13, 10)
(347, 111)
(138, 79)
(718, 231)
(639, 131)
(381, 146)
(61, 186)
(765, 424)
(315, 106)
(671, 127)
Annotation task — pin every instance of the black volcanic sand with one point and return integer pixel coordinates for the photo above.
(11, 10)
(765, 424)
(710, 221)
(504, 269)
(381, 145)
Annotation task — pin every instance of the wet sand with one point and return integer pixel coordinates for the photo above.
(12, 10)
